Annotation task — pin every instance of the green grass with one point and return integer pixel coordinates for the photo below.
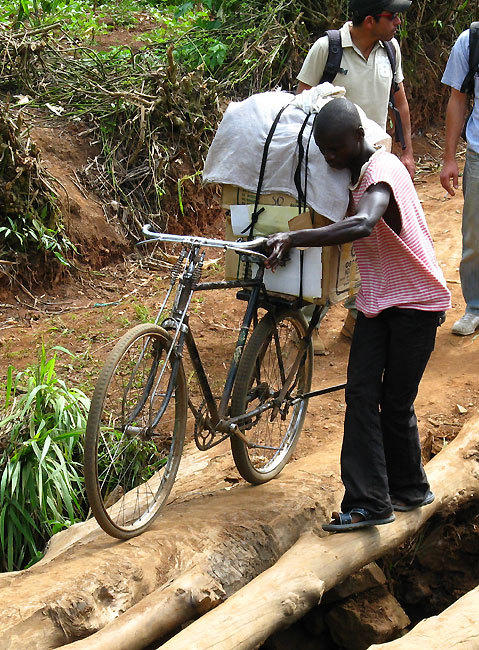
(142, 313)
(41, 451)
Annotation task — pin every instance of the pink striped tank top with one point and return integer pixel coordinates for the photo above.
(397, 270)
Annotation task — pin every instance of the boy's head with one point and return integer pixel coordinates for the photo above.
(338, 132)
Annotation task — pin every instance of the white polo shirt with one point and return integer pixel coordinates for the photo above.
(367, 82)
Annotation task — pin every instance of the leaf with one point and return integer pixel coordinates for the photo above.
(62, 349)
(45, 449)
(15, 477)
(3, 482)
(23, 530)
(2, 525)
(23, 513)
(25, 8)
(183, 9)
(10, 549)
(53, 508)
(9, 386)
(33, 394)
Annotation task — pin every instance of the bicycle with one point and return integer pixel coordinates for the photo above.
(137, 420)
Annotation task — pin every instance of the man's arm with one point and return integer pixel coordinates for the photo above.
(371, 208)
(302, 86)
(407, 156)
(455, 113)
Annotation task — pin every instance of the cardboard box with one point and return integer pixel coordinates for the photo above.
(336, 264)
(234, 195)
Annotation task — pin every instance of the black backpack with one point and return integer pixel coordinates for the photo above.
(333, 66)
(468, 83)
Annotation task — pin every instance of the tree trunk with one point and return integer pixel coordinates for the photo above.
(277, 597)
(456, 627)
(213, 537)
(206, 547)
(165, 609)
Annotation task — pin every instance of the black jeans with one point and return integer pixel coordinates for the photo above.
(381, 453)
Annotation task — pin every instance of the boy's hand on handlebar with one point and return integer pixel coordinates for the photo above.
(279, 245)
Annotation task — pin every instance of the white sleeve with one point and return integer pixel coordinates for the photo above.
(315, 62)
(399, 72)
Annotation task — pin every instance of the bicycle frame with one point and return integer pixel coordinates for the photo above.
(186, 273)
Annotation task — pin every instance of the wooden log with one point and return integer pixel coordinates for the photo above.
(223, 537)
(191, 595)
(275, 597)
(456, 627)
(230, 536)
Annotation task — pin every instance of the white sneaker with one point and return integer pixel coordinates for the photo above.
(466, 325)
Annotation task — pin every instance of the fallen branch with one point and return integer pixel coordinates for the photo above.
(211, 539)
(193, 594)
(214, 543)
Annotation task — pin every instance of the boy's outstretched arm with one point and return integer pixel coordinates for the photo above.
(371, 208)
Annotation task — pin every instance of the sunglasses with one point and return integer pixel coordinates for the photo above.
(388, 15)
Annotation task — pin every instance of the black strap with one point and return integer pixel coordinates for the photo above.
(468, 83)
(391, 52)
(302, 194)
(297, 173)
(256, 212)
(306, 163)
(398, 130)
(335, 54)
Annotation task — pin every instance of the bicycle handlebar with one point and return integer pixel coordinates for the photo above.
(246, 247)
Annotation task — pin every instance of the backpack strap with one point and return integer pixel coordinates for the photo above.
(391, 52)
(468, 83)
(335, 54)
(398, 130)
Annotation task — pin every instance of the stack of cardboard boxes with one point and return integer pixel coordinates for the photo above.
(329, 273)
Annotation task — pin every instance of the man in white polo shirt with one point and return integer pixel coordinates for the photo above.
(365, 70)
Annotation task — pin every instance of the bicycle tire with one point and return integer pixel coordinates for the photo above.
(257, 380)
(131, 461)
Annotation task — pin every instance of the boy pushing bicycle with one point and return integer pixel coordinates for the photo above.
(401, 302)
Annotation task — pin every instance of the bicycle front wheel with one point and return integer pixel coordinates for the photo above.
(266, 361)
(135, 432)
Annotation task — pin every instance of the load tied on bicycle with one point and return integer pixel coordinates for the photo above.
(138, 419)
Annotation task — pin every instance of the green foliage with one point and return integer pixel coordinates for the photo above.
(157, 108)
(180, 182)
(234, 40)
(142, 313)
(41, 486)
(28, 234)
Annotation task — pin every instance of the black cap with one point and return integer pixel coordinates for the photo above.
(374, 7)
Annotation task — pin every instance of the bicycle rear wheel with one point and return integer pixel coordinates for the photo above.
(135, 432)
(265, 363)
